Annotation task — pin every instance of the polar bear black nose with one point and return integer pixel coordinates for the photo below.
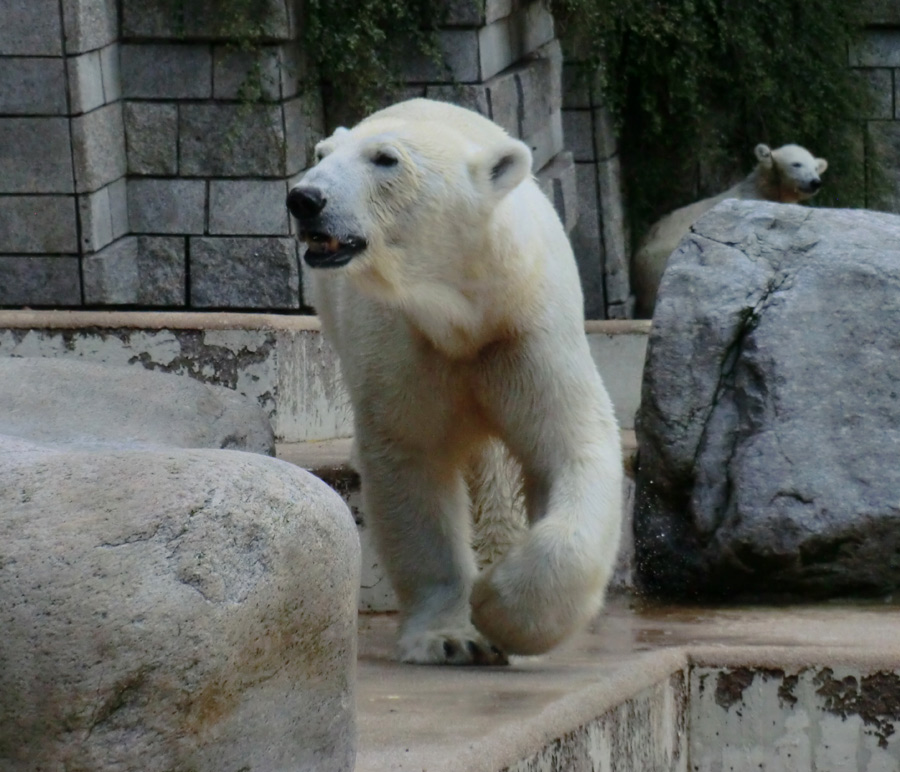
(305, 201)
(815, 184)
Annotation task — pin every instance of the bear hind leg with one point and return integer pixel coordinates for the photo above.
(419, 515)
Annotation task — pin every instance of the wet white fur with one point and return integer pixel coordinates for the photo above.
(782, 175)
(460, 326)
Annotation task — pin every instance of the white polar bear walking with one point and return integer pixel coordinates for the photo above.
(788, 174)
(445, 281)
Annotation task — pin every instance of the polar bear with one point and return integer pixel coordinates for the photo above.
(446, 284)
(788, 175)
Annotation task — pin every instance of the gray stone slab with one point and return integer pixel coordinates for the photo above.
(38, 225)
(546, 142)
(85, 82)
(118, 207)
(475, 13)
(248, 207)
(204, 20)
(472, 97)
(166, 205)
(884, 149)
(31, 28)
(505, 96)
(96, 220)
(880, 83)
(39, 281)
(151, 137)
(257, 273)
(294, 69)
(90, 24)
(540, 84)
(587, 242)
(32, 86)
(878, 48)
(112, 75)
(460, 60)
(246, 75)
(98, 147)
(507, 40)
(137, 270)
(35, 155)
(304, 127)
(580, 86)
(166, 71)
(231, 140)
(558, 183)
(578, 130)
(615, 241)
(606, 141)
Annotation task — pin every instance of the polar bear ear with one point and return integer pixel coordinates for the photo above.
(821, 165)
(501, 168)
(764, 155)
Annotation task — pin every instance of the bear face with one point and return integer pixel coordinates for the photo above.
(792, 170)
(389, 198)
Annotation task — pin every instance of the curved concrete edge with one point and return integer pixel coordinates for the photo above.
(199, 320)
(155, 320)
(517, 743)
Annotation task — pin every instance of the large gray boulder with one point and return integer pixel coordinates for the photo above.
(166, 609)
(769, 428)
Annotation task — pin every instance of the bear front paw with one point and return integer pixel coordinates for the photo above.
(465, 647)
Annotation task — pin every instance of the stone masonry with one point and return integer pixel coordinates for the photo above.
(877, 60)
(135, 173)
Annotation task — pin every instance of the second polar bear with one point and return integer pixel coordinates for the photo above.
(788, 174)
(445, 281)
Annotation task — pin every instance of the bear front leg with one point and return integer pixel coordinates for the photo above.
(551, 583)
(418, 508)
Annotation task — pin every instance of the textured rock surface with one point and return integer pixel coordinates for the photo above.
(164, 607)
(173, 611)
(770, 416)
(86, 404)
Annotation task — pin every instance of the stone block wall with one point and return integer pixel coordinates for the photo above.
(134, 172)
(877, 60)
(600, 238)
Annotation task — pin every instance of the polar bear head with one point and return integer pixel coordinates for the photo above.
(409, 190)
(790, 173)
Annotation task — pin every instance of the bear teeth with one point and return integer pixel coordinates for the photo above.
(322, 245)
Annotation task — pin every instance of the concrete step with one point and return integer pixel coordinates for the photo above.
(280, 362)
(330, 460)
(648, 689)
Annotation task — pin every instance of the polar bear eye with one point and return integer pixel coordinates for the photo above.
(384, 158)
(796, 164)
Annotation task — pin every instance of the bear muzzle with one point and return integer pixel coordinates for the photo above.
(326, 251)
(323, 249)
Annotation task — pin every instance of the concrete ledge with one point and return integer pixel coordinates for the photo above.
(624, 696)
(281, 362)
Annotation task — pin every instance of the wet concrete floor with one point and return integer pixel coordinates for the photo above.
(416, 718)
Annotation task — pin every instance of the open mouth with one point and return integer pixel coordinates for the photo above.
(326, 251)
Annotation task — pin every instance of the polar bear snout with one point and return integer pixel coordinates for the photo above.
(305, 202)
(326, 245)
